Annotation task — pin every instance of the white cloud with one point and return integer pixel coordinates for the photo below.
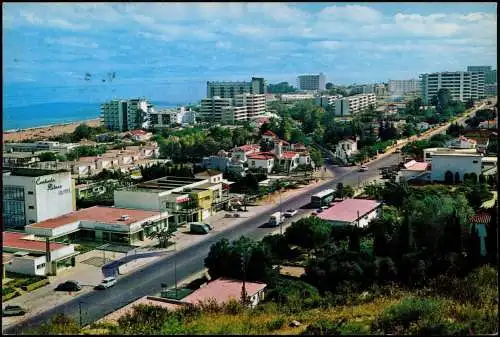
(356, 13)
(330, 45)
(72, 42)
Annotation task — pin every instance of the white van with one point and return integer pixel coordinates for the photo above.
(275, 219)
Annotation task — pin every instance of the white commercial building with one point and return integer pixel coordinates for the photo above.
(31, 256)
(160, 118)
(33, 195)
(311, 82)
(402, 87)
(463, 85)
(351, 212)
(124, 115)
(231, 89)
(44, 145)
(455, 161)
(354, 104)
(345, 149)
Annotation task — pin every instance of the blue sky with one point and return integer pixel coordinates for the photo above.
(168, 51)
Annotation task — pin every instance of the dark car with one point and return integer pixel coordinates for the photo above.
(13, 310)
(69, 286)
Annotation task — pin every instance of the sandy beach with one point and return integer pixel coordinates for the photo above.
(44, 132)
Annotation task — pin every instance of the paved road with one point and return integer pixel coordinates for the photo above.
(148, 280)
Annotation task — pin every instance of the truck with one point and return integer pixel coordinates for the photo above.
(275, 219)
(199, 228)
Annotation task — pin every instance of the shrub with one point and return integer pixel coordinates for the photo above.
(323, 327)
(233, 307)
(35, 285)
(275, 324)
(7, 290)
(399, 317)
(145, 319)
(58, 325)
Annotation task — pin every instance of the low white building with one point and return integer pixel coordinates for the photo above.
(29, 256)
(345, 149)
(423, 126)
(413, 170)
(326, 101)
(354, 104)
(161, 117)
(43, 145)
(295, 97)
(261, 160)
(351, 212)
(455, 163)
(33, 195)
(463, 143)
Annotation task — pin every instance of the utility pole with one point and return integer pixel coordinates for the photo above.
(244, 295)
(175, 268)
(281, 211)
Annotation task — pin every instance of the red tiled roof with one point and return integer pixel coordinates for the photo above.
(465, 139)
(261, 156)
(270, 133)
(416, 166)
(138, 132)
(289, 154)
(248, 147)
(14, 240)
(482, 218)
(222, 290)
(347, 210)
(110, 215)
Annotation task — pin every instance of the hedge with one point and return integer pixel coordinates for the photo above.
(35, 285)
(10, 296)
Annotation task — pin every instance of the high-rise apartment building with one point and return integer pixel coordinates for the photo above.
(234, 114)
(490, 76)
(124, 115)
(463, 85)
(211, 108)
(353, 104)
(231, 89)
(255, 104)
(311, 82)
(401, 87)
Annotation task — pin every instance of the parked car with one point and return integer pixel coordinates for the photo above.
(69, 286)
(106, 283)
(199, 228)
(319, 210)
(324, 208)
(13, 310)
(290, 212)
(363, 168)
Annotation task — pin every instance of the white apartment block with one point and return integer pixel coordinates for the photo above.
(354, 104)
(463, 85)
(211, 108)
(311, 82)
(124, 115)
(401, 87)
(234, 114)
(380, 90)
(325, 101)
(255, 104)
(231, 89)
(45, 145)
(160, 118)
(295, 97)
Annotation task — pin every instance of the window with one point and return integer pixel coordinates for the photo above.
(253, 162)
(13, 206)
(30, 192)
(40, 266)
(474, 161)
(31, 207)
(32, 221)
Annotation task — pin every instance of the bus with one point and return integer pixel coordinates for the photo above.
(323, 198)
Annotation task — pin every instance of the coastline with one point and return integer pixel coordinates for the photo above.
(47, 131)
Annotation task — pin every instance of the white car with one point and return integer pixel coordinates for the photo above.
(363, 168)
(107, 283)
(290, 212)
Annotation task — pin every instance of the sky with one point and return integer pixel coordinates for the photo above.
(68, 52)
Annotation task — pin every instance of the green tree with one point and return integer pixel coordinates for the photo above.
(317, 157)
(163, 235)
(82, 131)
(311, 232)
(47, 156)
(348, 191)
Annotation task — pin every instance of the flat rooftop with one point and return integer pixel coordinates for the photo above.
(99, 214)
(19, 241)
(165, 183)
(222, 290)
(348, 210)
(32, 172)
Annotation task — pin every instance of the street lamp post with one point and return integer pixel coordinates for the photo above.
(281, 211)
(175, 268)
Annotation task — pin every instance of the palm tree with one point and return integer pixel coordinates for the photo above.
(163, 235)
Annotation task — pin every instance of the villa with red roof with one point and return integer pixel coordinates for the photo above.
(24, 254)
(99, 223)
(269, 136)
(351, 212)
(139, 135)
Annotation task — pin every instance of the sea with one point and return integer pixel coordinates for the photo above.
(36, 115)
